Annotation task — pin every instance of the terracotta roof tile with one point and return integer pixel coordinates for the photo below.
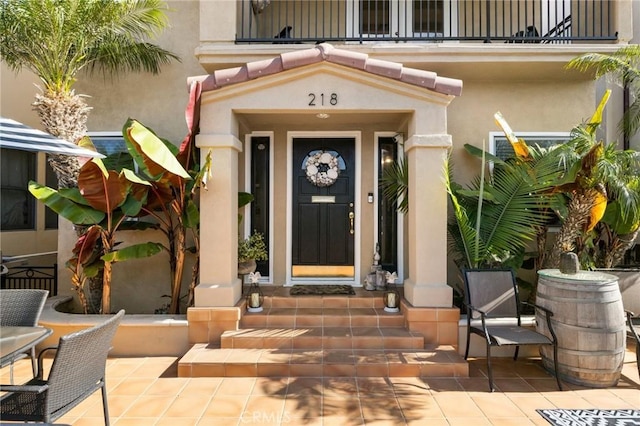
(326, 52)
(300, 58)
(419, 77)
(229, 76)
(448, 86)
(384, 68)
(266, 67)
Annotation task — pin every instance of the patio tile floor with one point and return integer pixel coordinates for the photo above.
(147, 391)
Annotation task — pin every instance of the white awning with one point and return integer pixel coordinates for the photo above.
(15, 135)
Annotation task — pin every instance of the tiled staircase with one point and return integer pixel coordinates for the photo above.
(311, 336)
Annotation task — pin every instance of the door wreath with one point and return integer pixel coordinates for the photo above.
(322, 168)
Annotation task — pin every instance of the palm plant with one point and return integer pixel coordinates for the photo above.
(496, 217)
(622, 65)
(602, 216)
(57, 39)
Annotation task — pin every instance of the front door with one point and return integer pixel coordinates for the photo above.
(323, 213)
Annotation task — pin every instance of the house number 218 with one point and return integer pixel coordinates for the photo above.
(315, 100)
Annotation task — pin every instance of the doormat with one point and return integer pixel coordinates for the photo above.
(320, 290)
(591, 417)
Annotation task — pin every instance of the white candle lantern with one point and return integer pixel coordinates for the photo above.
(391, 296)
(255, 298)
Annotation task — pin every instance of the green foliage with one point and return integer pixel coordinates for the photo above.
(56, 39)
(253, 247)
(500, 213)
(395, 184)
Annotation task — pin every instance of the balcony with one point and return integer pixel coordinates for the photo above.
(428, 21)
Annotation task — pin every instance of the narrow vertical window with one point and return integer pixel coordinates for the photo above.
(260, 176)
(387, 211)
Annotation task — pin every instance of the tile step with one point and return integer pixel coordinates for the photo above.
(203, 360)
(319, 317)
(367, 300)
(323, 338)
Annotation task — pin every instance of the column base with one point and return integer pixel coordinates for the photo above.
(428, 295)
(213, 295)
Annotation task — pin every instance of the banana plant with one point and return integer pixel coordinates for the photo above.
(170, 191)
(102, 202)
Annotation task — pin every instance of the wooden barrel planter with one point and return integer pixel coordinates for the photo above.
(589, 321)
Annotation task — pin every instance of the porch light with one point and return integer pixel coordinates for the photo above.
(255, 298)
(391, 295)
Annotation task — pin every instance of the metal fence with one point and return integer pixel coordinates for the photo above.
(362, 21)
(31, 277)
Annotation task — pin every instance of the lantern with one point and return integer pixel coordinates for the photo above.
(391, 295)
(255, 298)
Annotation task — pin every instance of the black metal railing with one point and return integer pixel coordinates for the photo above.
(31, 277)
(362, 21)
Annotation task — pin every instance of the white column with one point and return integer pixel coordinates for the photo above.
(219, 282)
(427, 217)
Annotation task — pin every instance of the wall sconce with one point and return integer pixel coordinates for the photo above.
(255, 298)
(391, 295)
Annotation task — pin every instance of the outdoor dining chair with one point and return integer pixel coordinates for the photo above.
(78, 370)
(633, 322)
(22, 308)
(493, 312)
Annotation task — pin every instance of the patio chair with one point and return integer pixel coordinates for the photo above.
(78, 370)
(633, 322)
(493, 312)
(22, 308)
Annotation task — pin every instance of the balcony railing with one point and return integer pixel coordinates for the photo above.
(363, 21)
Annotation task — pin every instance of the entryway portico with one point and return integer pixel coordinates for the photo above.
(288, 96)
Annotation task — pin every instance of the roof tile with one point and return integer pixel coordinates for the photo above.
(326, 52)
(449, 86)
(384, 68)
(229, 76)
(298, 58)
(419, 77)
(265, 67)
(348, 58)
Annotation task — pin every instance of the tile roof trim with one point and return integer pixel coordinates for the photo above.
(326, 52)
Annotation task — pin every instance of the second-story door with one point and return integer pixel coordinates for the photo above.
(374, 19)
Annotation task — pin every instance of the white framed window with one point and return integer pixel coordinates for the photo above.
(501, 148)
(371, 19)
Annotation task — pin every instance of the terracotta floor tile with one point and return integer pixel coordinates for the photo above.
(341, 407)
(458, 406)
(226, 406)
(132, 386)
(188, 406)
(302, 407)
(178, 421)
(126, 421)
(497, 406)
(236, 386)
(149, 406)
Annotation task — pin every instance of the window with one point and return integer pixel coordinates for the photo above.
(16, 203)
(260, 188)
(411, 19)
(501, 148)
(112, 145)
(387, 212)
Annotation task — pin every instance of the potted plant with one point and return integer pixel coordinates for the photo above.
(250, 250)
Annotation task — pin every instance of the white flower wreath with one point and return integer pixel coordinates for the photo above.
(322, 168)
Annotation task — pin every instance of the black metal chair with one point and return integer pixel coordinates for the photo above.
(493, 312)
(633, 322)
(78, 370)
(22, 308)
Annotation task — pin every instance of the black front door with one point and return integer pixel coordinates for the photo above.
(323, 207)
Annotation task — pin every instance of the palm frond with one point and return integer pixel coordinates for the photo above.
(395, 184)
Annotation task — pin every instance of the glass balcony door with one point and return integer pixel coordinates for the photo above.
(400, 19)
